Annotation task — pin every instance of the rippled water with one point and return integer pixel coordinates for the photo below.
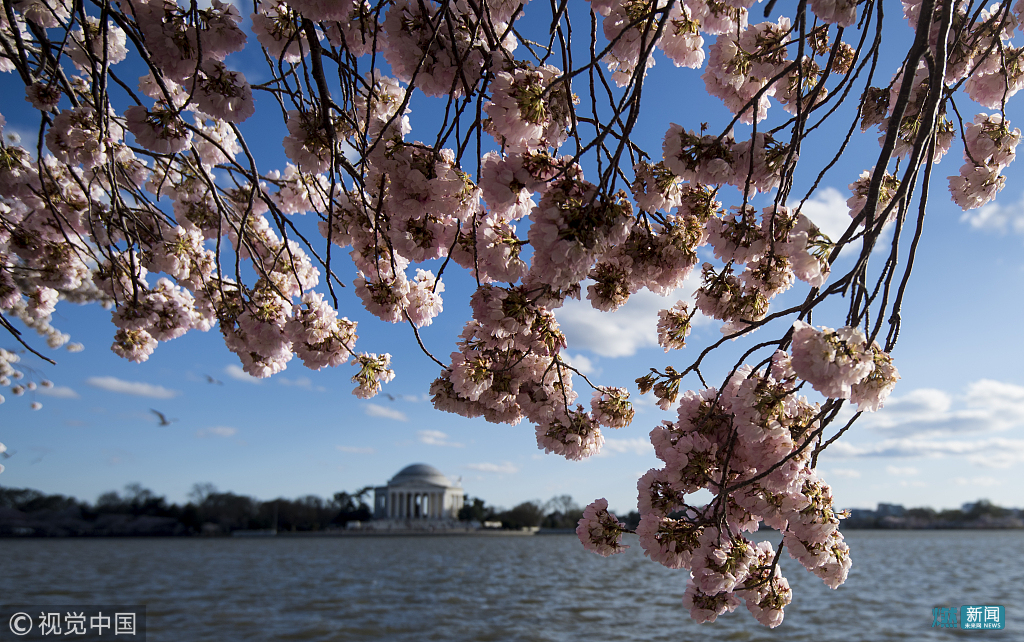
(501, 588)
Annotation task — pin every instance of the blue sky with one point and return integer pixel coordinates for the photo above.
(953, 430)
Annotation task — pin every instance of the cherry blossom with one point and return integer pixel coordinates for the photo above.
(599, 530)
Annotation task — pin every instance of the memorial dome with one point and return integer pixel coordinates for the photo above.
(420, 473)
(419, 491)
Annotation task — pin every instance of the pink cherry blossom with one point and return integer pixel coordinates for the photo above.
(599, 530)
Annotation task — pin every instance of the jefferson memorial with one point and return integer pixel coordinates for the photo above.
(418, 492)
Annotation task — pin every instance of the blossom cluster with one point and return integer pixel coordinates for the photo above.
(12, 377)
(529, 108)
(840, 364)
(415, 202)
(508, 367)
(444, 52)
(749, 443)
(989, 146)
(599, 530)
(779, 248)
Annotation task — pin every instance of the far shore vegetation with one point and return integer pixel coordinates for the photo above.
(138, 511)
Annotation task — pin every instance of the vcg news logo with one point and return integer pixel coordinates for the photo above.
(975, 616)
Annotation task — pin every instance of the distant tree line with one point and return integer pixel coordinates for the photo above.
(558, 513)
(139, 511)
(979, 514)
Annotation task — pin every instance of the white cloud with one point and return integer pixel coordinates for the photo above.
(635, 445)
(58, 392)
(989, 453)
(977, 481)
(113, 384)
(356, 450)
(506, 468)
(374, 410)
(996, 217)
(643, 403)
(623, 332)
(217, 431)
(901, 471)
(827, 209)
(581, 363)
(1005, 400)
(847, 473)
(985, 406)
(436, 438)
(206, 4)
(417, 398)
(301, 382)
(236, 373)
(923, 403)
(27, 137)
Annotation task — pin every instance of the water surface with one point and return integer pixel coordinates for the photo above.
(479, 588)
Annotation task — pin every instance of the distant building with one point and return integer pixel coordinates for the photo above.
(862, 514)
(418, 492)
(891, 510)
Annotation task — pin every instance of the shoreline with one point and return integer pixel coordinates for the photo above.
(241, 534)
